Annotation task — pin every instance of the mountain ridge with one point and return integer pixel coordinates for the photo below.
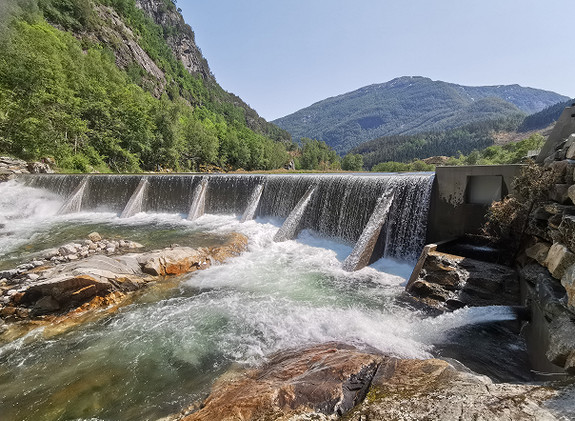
(409, 105)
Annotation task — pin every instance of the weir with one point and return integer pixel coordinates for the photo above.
(198, 206)
(136, 202)
(334, 206)
(74, 203)
(253, 204)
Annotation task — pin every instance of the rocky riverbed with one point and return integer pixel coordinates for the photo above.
(75, 281)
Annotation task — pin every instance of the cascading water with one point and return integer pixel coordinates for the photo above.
(197, 208)
(74, 203)
(250, 211)
(164, 351)
(136, 202)
(290, 227)
(363, 250)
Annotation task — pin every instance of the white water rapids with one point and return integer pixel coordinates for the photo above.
(158, 355)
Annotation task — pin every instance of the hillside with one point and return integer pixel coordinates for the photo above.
(120, 85)
(544, 118)
(451, 142)
(410, 105)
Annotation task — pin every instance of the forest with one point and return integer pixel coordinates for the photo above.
(63, 96)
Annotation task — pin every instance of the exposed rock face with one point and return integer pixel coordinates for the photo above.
(449, 281)
(182, 40)
(326, 382)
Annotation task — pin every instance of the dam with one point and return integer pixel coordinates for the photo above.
(306, 286)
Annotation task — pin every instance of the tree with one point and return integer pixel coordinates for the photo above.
(352, 162)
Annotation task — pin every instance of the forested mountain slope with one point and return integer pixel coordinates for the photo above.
(410, 105)
(120, 85)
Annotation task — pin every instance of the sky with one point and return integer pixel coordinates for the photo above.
(283, 55)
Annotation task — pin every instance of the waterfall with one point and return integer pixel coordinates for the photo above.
(197, 208)
(364, 248)
(136, 202)
(74, 202)
(253, 203)
(340, 207)
(290, 227)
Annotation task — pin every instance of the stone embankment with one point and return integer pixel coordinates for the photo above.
(335, 381)
(78, 279)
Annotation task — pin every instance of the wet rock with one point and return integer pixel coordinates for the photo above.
(435, 390)
(81, 285)
(173, 261)
(95, 237)
(324, 382)
(67, 249)
(8, 273)
(325, 379)
(446, 278)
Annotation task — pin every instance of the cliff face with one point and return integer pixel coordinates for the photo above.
(179, 36)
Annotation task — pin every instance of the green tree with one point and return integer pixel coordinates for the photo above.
(352, 162)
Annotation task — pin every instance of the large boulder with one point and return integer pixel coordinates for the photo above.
(328, 381)
(325, 379)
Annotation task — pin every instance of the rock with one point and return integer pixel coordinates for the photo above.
(326, 379)
(558, 260)
(33, 276)
(67, 249)
(8, 273)
(561, 349)
(449, 278)
(434, 390)
(559, 193)
(37, 263)
(50, 253)
(39, 168)
(538, 252)
(325, 382)
(95, 237)
(46, 304)
(173, 261)
(571, 193)
(71, 257)
(110, 250)
(568, 282)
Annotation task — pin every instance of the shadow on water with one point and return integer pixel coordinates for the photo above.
(494, 349)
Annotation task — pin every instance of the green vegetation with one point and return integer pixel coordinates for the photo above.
(510, 153)
(64, 97)
(408, 106)
(444, 143)
(352, 162)
(544, 118)
(393, 166)
(316, 155)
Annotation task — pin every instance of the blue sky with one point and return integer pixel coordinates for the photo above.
(280, 56)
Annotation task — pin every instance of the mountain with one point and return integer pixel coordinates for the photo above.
(120, 85)
(545, 117)
(409, 105)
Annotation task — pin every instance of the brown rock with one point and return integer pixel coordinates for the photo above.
(558, 260)
(327, 379)
(95, 237)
